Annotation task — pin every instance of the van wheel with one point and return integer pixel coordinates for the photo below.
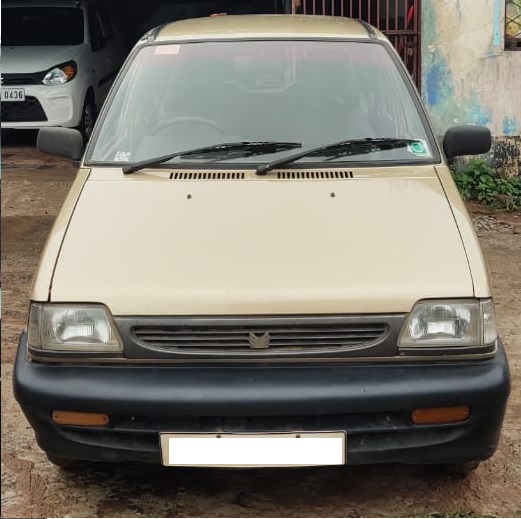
(88, 117)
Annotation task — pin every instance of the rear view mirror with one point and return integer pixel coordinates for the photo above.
(64, 142)
(466, 140)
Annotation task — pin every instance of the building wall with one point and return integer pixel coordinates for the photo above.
(468, 77)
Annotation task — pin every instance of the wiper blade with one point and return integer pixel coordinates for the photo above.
(338, 149)
(251, 147)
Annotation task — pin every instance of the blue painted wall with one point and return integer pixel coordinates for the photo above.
(467, 76)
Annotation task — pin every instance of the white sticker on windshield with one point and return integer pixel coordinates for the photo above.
(122, 156)
(419, 148)
(167, 49)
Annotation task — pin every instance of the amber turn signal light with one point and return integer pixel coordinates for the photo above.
(69, 71)
(75, 418)
(435, 415)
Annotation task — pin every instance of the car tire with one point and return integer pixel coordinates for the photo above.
(460, 470)
(64, 463)
(88, 117)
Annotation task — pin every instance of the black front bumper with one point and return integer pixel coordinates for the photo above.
(371, 402)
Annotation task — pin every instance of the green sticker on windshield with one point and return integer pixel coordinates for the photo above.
(419, 148)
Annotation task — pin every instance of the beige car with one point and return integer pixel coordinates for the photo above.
(263, 261)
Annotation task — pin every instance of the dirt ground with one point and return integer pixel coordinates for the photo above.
(33, 188)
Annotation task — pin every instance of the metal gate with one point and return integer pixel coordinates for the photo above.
(399, 20)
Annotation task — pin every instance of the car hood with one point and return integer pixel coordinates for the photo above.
(26, 59)
(149, 245)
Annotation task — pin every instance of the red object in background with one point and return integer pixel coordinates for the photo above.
(410, 14)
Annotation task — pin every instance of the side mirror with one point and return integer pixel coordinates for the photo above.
(64, 142)
(466, 140)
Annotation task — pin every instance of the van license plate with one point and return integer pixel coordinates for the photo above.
(13, 94)
(254, 450)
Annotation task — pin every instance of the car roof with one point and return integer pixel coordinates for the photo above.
(267, 26)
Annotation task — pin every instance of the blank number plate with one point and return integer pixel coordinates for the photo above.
(253, 450)
(13, 94)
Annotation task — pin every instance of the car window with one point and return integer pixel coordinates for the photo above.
(97, 38)
(24, 26)
(106, 23)
(182, 96)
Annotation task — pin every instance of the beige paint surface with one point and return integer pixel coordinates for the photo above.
(236, 27)
(143, 244)
(41, 282)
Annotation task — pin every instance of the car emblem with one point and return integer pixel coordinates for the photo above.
(259, 342)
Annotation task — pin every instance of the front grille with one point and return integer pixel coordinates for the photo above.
(279, 338)
(273, 337)
(23, 111)
(26, 78)
(249, 337)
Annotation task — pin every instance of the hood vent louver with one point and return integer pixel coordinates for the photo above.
(280, 175)
(314, 175)
(208, 175)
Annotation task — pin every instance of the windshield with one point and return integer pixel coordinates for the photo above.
(24, 26)
(177, 97)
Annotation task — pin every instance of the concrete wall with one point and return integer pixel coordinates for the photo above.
(468, 77)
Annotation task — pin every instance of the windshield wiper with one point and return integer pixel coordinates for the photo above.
(250, 147)
(339, 149)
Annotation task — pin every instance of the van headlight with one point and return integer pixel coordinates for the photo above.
(451, 322)
(72, 328)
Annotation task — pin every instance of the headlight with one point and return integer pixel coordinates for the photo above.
(449, 323)
(61, 74)
(72, 328)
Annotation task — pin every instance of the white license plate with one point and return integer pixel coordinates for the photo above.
(253, 450)
(13, 94)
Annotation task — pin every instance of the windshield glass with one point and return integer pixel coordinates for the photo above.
(24, 26)
(178, 97)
